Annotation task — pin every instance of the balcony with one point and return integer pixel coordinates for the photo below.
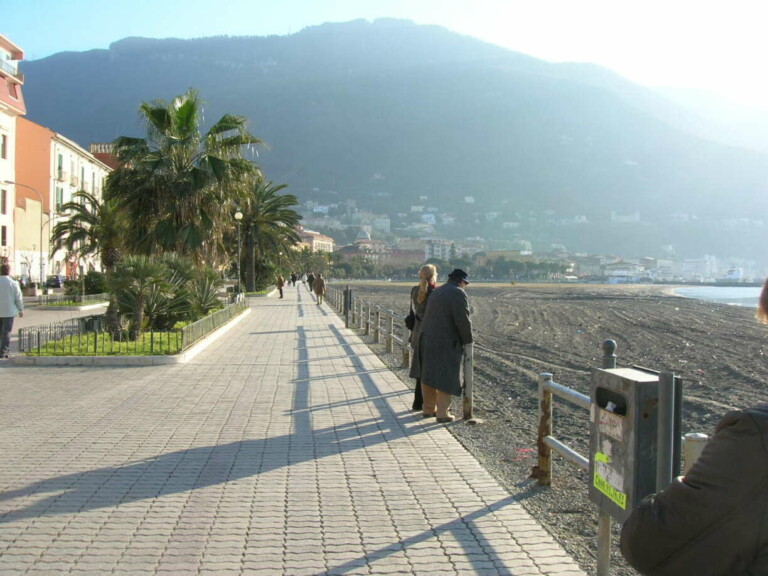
(62, 176)
(74, 181)
(11, 71)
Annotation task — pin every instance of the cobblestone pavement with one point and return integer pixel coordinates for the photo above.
(286, 448)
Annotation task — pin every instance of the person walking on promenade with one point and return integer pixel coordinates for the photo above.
(318, 285)
(293, 278)
(712, 521)
(446, 334)
(11, 305)
(280, 284)
(419, 295)
(310, 280)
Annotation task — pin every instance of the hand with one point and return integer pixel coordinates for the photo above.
(21, 313)
(469, 350)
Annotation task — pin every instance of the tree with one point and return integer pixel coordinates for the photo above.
(93, 227)
(179, 185)
(98, 227)
(269, 226)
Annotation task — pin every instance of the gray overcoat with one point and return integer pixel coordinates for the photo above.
(418, 309)
(445, 329)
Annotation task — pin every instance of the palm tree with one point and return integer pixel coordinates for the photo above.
(270, 225)
(178, 184)
(93, 227)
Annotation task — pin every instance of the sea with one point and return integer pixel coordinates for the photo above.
(746, 296)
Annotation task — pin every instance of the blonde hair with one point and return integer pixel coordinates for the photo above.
(762, 305)
(426, 273)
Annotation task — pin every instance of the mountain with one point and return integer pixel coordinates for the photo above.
(389, 111)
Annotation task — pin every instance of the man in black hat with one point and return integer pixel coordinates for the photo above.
(446, 331)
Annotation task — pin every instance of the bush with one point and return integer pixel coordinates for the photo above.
(95, 283)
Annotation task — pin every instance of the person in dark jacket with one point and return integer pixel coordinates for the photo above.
(713, 521)
(419, 295)
(446, 332)
(318, 286)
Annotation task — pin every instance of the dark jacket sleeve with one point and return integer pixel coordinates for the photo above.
(712, 522)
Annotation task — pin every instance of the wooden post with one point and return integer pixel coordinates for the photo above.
(377, 328)
(368, 319)
(391, 333)
(469, 377)
(543, 472)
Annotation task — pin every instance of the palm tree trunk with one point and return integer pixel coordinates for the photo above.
(138, 318)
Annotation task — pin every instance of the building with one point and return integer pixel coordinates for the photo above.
(315, 241)
(12, 107)
(54, 168)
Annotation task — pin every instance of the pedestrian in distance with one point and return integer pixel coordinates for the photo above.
(280, 284)
(418, 302)
(310, 280)
(293, 278)
(446, 335)
(318, 286)
(712, 521)
(11, 305)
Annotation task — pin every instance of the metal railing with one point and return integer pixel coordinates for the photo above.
(197, 330)
(12, 70)
(385, 325)
(88, 335)
(76, 300)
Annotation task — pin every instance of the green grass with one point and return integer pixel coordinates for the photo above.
(102, 344)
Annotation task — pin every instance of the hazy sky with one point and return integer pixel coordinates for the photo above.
(713, 45)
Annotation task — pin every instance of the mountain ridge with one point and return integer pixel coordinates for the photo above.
(388, 111)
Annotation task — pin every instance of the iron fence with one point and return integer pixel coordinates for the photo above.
(88, 335)
(76, 300)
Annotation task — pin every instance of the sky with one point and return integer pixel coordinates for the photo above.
(711, 45)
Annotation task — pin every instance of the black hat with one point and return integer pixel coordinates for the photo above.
(459, 274)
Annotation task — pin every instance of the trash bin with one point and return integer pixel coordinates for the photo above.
(623, 439)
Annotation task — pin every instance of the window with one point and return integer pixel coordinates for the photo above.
(59, 198)
(4, 146)
(60, 167)
(3, 201)
(3, 236)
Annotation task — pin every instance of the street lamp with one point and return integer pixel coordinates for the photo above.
(40, 197)
(238, 217)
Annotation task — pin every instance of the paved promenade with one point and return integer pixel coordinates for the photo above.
(285, 448)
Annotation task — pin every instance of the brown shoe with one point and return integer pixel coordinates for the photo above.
(430, 415)
(448, 418)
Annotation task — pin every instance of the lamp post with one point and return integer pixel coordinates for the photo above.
(238, 217)
(40, 197)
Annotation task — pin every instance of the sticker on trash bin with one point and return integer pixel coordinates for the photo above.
(616, 496)
(610, 424)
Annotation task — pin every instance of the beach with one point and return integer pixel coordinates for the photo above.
(523, 330)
